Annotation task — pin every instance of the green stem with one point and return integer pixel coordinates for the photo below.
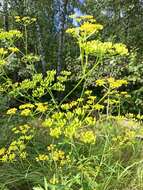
(84, 76)
(119, 109)
(108, 103)
(26, 40)
(84, 72)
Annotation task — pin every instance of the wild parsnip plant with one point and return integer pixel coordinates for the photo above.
(72, 145)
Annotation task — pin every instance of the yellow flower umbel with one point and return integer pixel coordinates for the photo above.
(111, 83)
(23, 129)
(55, 132)
(10, 35)
(120, 49)
(3, 52)
(48, 122)
(27, 105)
(25, 20)
(112, 97)
(51, 147)
(23, 155)
(2, 62)
(8, 155)
(17, 147)
(4, 158)
(12, 157)
(70, 131)
(116, 83)
(2, 151)
(88, 137)
(11, 111)
(13, 49)
(100, 82)
(54, 180)
(105, 48)
(98, 107)
(88, 26)
(59, 157)
(42, 157)
(41, 107)
(25, 112)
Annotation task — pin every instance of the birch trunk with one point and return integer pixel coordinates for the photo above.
(62, 16)
(40, 47)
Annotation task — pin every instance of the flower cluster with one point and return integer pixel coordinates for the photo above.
(73, 122)
(58, 156)
(25, 112)
(27, 105)
(88, 26)
(28, 108)
(42, 157)
(54, 180)
(104, 48)
(13, 49)
(3, 52)
(17, 148)
(127, 138)
(11, 111)
(11, 34)
(8, 36)
(40, 86)
(41, 107)
(25, 20)
(112, 83)
(113, 96)
(116, 83)
(31, 58)
(88, 137)
(54, 155)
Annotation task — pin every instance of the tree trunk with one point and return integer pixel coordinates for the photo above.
(39, 40)
(5, 18)
(62, 17)
(41, 50)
